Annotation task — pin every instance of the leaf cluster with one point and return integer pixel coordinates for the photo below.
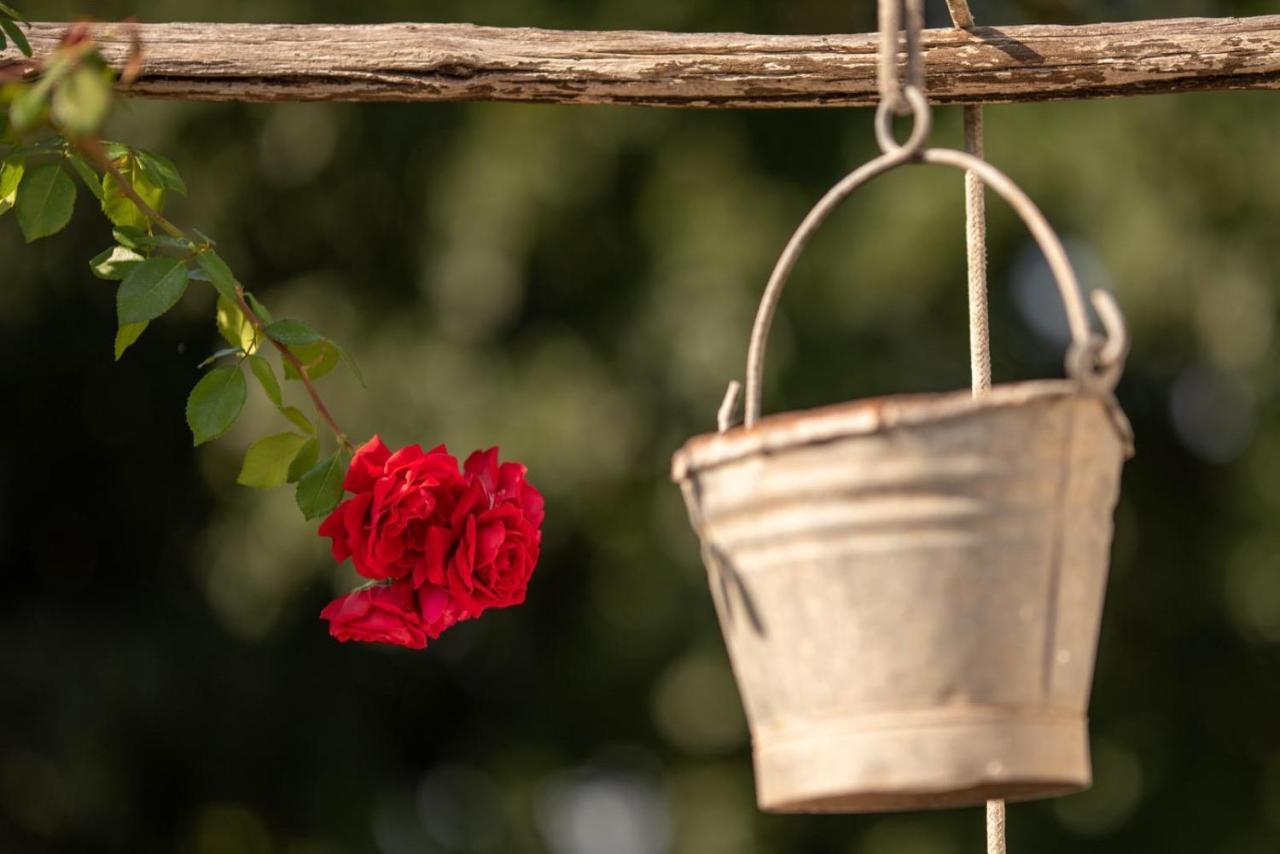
(49, 147)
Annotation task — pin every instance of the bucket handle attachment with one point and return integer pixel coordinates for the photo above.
(1095, 361)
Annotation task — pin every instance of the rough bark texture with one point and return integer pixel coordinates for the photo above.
(461, 62)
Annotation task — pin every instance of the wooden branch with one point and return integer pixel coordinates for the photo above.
(460, 62)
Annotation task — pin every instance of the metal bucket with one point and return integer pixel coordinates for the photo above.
(910, 587)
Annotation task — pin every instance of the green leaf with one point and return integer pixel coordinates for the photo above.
(320, 489)
(49, 145)
(118, 207)
(225, 351)
(161, 171)
(133, 238)
(293, 333)
(90, 178)
(11, 12)
(10, 177)
(268, 461)
(351, 363)
(150, 289)
(258, 308)
(15, 33)
(234, 327)
(267, 379)
(45, 201)
(126, 335)
(295, 415)
(172, 245)
(28, 107)
(215, 403)
(318, 359)
(219, 273)
(304, 461)
(114, 263)
(82, 101)
(116, 151)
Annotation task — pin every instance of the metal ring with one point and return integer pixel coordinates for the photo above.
(922, 123)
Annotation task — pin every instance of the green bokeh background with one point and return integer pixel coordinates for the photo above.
(576, 284)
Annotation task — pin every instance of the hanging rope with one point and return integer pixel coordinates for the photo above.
(975, 216)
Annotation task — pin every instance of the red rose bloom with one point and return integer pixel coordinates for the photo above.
(488, 550)
(391, 613)
(383, 527)
(453, 544)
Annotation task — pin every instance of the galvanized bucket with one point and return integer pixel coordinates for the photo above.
(910, 587)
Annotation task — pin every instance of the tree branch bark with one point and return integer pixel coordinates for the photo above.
(461, 62)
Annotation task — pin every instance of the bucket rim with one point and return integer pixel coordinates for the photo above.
(871, 415)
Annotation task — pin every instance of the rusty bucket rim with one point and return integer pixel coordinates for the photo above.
(866, 416)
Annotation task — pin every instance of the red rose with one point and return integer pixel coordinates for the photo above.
(491, 544)
(383, 527)
(453, 543)
(391, 613)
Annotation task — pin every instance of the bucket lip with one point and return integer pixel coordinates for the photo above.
(864, 417)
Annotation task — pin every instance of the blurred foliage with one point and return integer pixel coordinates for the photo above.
(576, 284)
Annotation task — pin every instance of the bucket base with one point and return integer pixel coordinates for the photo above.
(922, 760)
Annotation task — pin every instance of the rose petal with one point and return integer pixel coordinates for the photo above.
(366, 465)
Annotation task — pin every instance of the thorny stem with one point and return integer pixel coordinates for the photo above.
(292, 358)
(92, 149)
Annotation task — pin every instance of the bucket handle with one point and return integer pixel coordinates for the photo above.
(1096, 362)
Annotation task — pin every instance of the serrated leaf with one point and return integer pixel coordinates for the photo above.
(293, 333)
(150, 289)
(11, 172)
(215, 356)
(215, 403)
(15, 33)
(320, 489)
(126, 335)
(133, 238)
(45, 201)
(268, 461)
(90, 178)
(219, 273)
(82, 100)
(258, 308)
(234, 327)
(161, 171)
(267, 379)
(304, 461)
(295, 415)
(118, 207)
(318, 359)
(115, 263)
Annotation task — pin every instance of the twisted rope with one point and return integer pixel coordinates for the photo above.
(975, 216)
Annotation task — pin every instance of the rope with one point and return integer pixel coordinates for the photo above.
(995, 827)
(975, 221)
(975, 216)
